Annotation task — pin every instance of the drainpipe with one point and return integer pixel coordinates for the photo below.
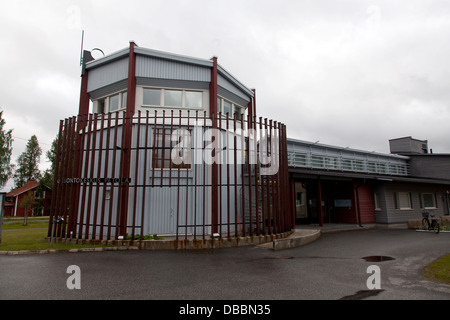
(357, 202)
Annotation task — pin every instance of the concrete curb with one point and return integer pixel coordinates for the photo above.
(155, 245)
(297, 239)
(99, 249)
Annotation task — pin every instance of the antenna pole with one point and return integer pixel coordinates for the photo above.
(81, 52)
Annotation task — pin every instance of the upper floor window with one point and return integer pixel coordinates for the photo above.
(227, 107)
(112, 103)
(172, 98)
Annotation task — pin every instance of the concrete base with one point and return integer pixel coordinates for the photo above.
(182, 244)
(296, 239)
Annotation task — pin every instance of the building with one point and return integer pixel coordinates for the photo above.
(42, 200)
(171, 145)
(168, 144)
(356, 186)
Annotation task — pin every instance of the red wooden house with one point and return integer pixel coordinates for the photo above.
(42, 200)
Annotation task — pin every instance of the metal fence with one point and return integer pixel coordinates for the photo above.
(178, 173)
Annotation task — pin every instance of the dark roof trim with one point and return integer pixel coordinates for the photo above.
(339, 174)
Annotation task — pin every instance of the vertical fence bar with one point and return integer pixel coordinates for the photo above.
(120, 190)
(256, 166)
(204, 173)
(219, 159)
(144, 174)
(113, 170)
(105, 174)
(236, 218)
(91, 175)
(77, 165)
(178, 185)
(65, 162)
(56, 184)
(243, 159)
(86, 167)
(228, 174)
(163, 147)
(64, 169)
(249, 172)
(99, 167)
(194, 164)
(187, 189)
(71, 170)
(136, 171)
(261, 177)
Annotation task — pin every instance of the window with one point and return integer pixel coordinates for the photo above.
(331, 162)
(317, 161)
(429, 201)
(112, 103)
(346, 164)
(376, 199)
(402, 200)
(193, 99)
(172, 98)
(298, 159)
(238, 112)
(163, 147)
(358, 165)
(228, 107)
(101, 106)
(371, 166)
(152, 97)
(39, 194)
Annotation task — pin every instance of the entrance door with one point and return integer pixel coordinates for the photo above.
(301, 211)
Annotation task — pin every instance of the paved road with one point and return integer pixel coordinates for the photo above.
(330, 268)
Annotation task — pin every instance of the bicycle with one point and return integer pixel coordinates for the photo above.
(429, 222)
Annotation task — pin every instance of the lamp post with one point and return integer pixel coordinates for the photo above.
(55, 221)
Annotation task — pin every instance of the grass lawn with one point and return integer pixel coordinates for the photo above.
(16, 237)
(439, 270)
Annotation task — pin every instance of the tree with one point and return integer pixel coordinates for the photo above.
(6, 140)
(27, 203)
(49, 174)
(28, 163)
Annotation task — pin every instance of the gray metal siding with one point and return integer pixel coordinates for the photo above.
(108, 90)
(107, 74)
(392, 215)
(431, 166)
(227, 85)
(170, 83)
(232, 97)
(149, 67)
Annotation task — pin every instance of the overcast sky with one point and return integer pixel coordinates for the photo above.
(346, 73)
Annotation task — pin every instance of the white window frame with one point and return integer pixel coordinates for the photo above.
(434, 200)
(234, 108)
(409, 197)
(107, 99)
(376, 199)
(162, 98)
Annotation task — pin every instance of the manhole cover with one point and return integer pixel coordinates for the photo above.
(378, 258)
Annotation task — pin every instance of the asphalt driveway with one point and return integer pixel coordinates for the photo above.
(330, 268)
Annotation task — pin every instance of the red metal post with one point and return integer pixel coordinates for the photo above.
(126, 143)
